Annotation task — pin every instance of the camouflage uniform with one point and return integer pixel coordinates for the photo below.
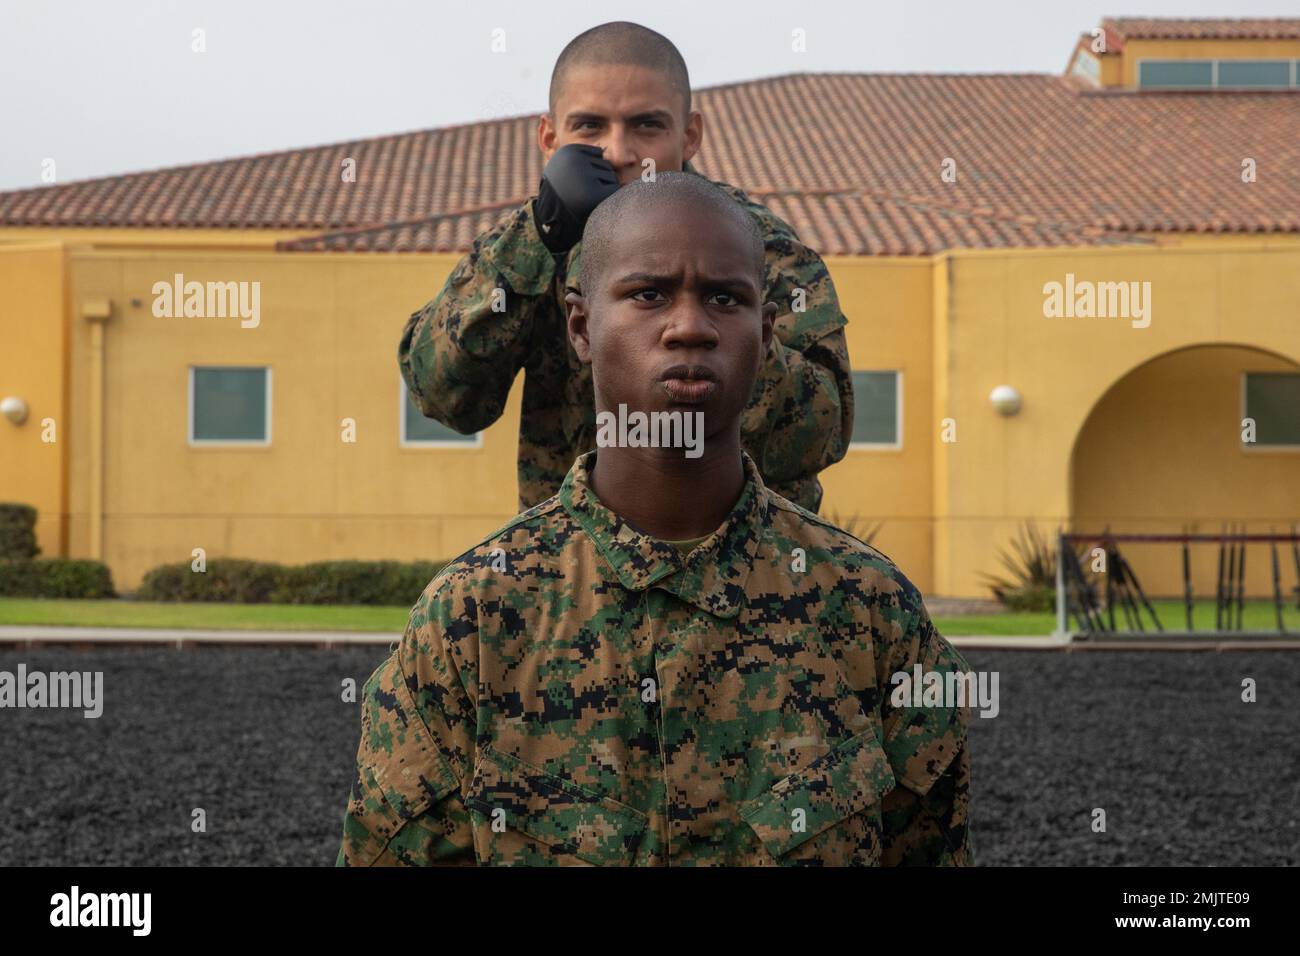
(459, 359)
(572, 692)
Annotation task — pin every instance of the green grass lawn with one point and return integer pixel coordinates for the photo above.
(242, 617)
(1009, 624)
(1258, 616)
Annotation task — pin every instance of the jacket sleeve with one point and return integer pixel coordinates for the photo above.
(460, 353)
(800, 418)
(417, 740)
(927, 817)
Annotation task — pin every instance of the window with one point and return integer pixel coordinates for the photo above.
(1272, 399)
(877, 410)
(230, 406)
(1217, 74)
(1254, 74)
(418, 431)
(1176, 73)
(1087, 66)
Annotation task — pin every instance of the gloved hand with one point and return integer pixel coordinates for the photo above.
(575, 181)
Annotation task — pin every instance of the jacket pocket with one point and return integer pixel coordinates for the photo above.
(829, 812)
(522, 815)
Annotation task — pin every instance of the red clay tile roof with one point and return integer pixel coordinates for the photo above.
(1162, 28)
(1036, 146)
(835, 222)
(874, 224)
(446, 232)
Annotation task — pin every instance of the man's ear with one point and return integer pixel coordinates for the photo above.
(768, 316)
(548, 136)
(576, 306)
(694, 135)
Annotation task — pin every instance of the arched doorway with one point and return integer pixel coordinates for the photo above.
(1163, 450)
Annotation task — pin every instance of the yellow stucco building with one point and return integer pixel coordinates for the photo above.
(968, 222)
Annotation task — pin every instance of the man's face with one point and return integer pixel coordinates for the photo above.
(678, 321)
(631, 112)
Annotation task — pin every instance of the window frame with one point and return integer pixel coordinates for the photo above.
(403, 406)
(897, 444)
(1250, 447)
(194, 442)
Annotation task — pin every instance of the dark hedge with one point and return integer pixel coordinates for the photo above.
(259, 582)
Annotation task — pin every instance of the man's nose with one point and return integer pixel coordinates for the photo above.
(689, 325)
(618, 149)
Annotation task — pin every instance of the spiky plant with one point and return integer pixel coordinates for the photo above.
(855, 526)
(1030, 566)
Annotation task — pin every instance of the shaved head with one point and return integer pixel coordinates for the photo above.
(622, 43)
(668, 189)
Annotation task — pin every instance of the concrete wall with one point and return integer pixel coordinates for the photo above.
(329, 331)
(33, 336)
(888, 303)
(955, 326)
(146, 238)
(1002, 471)
(1163, 450)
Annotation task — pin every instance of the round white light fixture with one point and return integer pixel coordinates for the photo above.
(14, 409)
(1005, 399)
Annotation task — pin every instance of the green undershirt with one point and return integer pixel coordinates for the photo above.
(687, 546)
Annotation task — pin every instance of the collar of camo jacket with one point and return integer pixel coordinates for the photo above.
(712, 576)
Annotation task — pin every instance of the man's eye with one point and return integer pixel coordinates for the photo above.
(650, 292)
(725, 295)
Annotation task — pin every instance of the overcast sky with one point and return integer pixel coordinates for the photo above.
(104, 88)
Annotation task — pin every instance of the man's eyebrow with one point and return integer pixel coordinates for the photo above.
(650, 278)
(736, 285)
(664, 116)
(735, 282)
(582, 116)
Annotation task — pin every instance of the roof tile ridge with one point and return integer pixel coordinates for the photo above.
(932, 203)
(357, 231)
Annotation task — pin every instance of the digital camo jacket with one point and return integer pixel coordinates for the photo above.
(572, 692)
(459, 358)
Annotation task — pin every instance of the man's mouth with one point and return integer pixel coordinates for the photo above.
(689, 384)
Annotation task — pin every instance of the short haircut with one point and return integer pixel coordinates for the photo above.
(678, 188)
(621, 42)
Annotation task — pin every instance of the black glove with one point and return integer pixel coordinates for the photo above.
(575, 181)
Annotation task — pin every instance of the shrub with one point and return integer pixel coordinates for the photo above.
(17, 532)
(56, 578)
(323, 582)
(356, 582)
(1035, 598)
(226, 579)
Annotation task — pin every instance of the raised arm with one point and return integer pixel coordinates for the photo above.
(800, 418)
(460, 353)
